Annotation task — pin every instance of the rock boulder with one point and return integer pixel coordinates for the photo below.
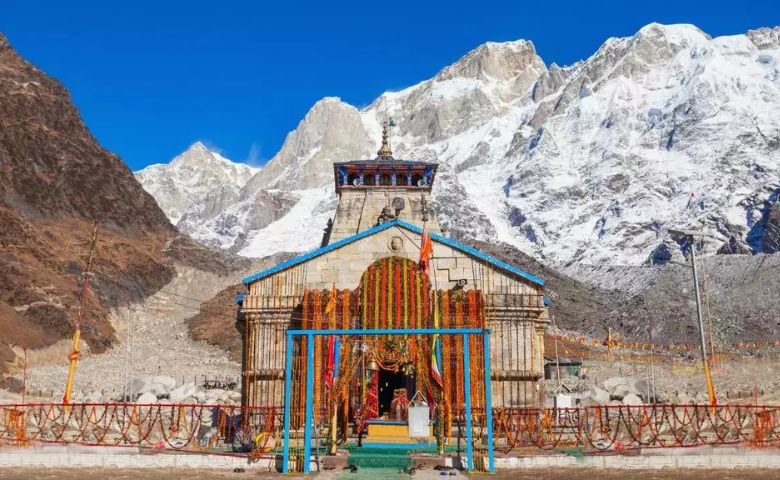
(146, 398)
(632, 399)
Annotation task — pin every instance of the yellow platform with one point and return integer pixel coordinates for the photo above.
(390, 432)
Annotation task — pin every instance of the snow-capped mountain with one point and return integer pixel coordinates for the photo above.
(196, 185)
(591, 162)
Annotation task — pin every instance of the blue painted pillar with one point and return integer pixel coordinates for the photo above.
(467, 395)
(309, 395)
(343, 175)
(287, 388)
(488, 401)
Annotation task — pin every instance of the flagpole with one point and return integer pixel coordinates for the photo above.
(333, 419)
(330, 380)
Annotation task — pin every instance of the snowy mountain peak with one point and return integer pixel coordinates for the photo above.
(197, 183)
(765, 38)
(331, 131)
(199, 156)
(589, 163)
(495, 61)
(674, 33)
(197, 149)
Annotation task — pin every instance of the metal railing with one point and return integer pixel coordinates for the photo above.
(229, 429)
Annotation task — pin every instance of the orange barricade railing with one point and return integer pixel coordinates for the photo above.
(199, 428)
(600, 428)
(233, 429)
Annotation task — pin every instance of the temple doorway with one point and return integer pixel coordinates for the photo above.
(392, 384)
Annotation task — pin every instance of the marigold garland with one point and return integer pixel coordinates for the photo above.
(318, 353)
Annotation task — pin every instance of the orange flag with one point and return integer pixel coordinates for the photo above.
(331, 300)
(426, 249)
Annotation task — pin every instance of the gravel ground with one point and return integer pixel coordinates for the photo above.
(161, 342)
(734, 379)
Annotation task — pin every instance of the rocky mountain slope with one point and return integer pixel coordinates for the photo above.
(55, 181)
(591, 162)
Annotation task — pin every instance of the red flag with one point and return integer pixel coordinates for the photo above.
(426, 249)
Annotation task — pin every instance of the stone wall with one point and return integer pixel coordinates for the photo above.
(359, 209)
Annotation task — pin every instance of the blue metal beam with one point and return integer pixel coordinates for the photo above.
(287, 384)
(488, 402)
(467, 395)
(309, 401)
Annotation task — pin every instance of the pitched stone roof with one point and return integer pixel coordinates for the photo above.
(384, 226)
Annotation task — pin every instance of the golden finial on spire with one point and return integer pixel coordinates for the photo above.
(384, 150)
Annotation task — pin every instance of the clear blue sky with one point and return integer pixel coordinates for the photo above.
(152, 77)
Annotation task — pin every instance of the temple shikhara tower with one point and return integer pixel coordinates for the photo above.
(385, 267)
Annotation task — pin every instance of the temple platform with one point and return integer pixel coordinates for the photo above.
(394, 433)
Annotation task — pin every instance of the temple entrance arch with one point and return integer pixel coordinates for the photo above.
(394, 294)
(395, 327)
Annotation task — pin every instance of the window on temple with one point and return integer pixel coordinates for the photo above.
(386, 180)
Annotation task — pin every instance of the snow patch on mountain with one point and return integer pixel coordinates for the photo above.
(589, 163)
(288, 233)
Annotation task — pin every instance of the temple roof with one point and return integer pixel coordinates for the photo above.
(387, 161)
(400, 166)
(384, 226)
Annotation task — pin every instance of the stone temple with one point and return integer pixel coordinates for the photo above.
(369, 274)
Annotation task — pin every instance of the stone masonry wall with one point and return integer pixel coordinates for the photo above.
(360, 208)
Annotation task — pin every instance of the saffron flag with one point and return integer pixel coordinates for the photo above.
(426, 249)
(435, 371)
(331, 300)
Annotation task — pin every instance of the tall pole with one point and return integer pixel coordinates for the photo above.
(709, 316)
(75, 353)
(652, 361)
(130, 353)
(24, 378)
(557, 358)
(705, 364)
(127, 361)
